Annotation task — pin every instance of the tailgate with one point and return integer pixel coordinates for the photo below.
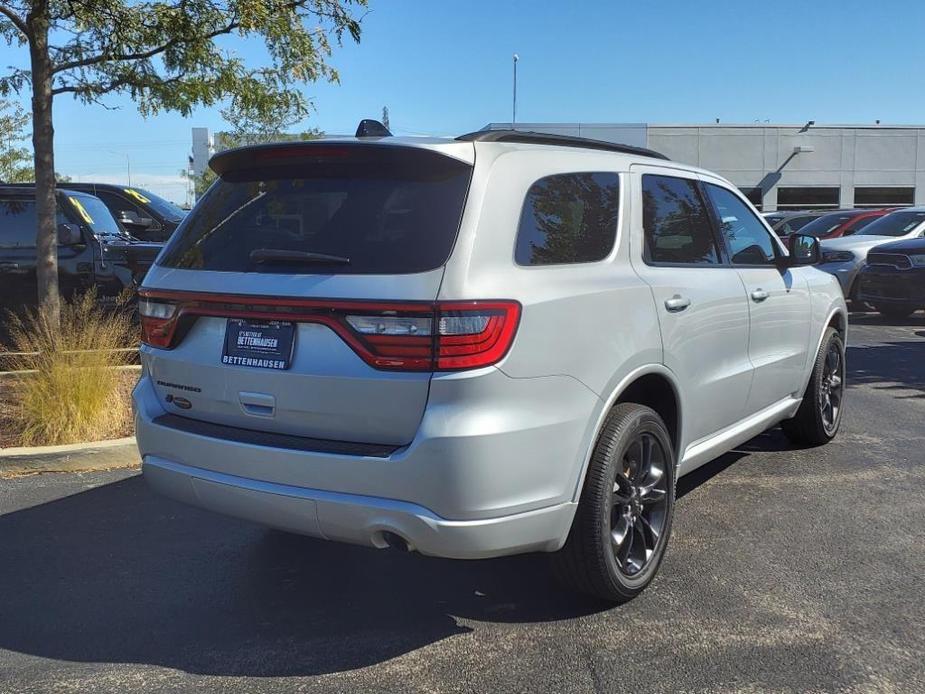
(298, 296)
(326, 391)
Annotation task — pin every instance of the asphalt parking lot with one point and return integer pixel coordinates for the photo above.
(788, 570)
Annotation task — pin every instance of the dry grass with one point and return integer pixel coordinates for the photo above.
(76, 395)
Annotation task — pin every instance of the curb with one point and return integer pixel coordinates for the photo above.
(73, 457)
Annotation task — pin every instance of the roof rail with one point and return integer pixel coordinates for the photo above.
(530, 137)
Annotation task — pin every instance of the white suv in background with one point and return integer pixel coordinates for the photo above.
(507, 342)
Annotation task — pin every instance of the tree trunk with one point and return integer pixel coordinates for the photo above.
(43, 134)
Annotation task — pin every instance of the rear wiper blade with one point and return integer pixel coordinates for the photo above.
(274, 255)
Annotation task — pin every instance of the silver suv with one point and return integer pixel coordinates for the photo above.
(503, 343)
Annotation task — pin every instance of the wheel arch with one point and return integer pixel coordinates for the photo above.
(838, 319)
(652, 385)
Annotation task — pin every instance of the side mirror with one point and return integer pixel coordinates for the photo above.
(131, 218)
(69, 235)
(804, 249)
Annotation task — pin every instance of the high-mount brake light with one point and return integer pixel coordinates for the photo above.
(301, 152)
(397, 336)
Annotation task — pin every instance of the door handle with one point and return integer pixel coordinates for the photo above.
(257, 404)
(677, 303)
(9, 266)
(759, 295)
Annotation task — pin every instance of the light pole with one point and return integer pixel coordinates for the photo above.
(514, 108)
(128, 164)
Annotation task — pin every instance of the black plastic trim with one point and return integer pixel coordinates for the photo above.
(273, 440)
(535, 138)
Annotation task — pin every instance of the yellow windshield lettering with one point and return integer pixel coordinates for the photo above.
(81, 209)
(138, 196)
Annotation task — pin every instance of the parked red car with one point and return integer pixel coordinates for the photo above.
(842, 223)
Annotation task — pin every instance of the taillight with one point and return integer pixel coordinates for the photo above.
(475, 333)
(449, 336)
(158, 321)
(399, 336)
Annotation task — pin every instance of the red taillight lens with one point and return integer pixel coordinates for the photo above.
(475, 333)
(446, 336)
(158, 322)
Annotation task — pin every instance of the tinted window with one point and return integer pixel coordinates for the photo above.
(118, 204)
(858, 225)
(895, 224)
(883, 196)
(755, 196)
(95, 214)
(826, 224)
(747, 239)
(164, 208)
(19, 221)
(793, 224)
(368, 209)
(569, 218)
(677, 226)
(808, 198)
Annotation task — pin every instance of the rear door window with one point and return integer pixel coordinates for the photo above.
(569, 218)
(18, 222)
(344, 210)
(676, 222)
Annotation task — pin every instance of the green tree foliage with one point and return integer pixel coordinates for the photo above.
(249, 126)
(166, 55)
(15, 159)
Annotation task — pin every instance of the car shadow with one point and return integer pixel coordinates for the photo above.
(889, 366)
(118, 574)
(873, 318)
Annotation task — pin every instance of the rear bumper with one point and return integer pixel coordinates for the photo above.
(358, 519)
(493, 470)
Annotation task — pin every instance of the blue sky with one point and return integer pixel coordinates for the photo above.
(445, 68)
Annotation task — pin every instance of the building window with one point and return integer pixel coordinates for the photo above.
(569, 218)
(883, 196)
(754, 196)
(808, 198)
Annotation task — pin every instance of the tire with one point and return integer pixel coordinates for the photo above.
(629, 487)
(895, 310)
(819, 417)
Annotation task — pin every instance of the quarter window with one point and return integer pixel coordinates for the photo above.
(748, 241)
(569, 218)
(676, 223)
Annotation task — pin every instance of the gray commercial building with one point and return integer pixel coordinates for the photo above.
(777, 166)
(785, 166)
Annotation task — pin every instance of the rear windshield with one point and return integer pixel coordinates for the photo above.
(358, 210)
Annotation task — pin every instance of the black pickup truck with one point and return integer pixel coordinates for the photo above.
(93, 250)
(139, 212)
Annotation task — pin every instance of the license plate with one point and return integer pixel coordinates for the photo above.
(260, 345)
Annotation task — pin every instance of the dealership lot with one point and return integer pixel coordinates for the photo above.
(788, 570)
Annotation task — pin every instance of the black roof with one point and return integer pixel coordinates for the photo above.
(28, 189)
(535, 138)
